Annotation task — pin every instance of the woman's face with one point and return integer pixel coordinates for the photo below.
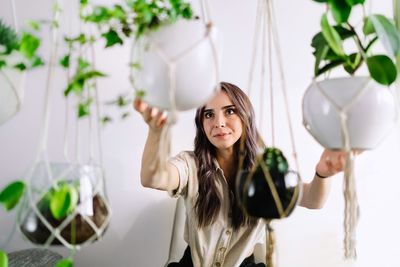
(221, 123)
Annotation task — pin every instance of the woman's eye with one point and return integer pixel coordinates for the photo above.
(208, 115)
(230, 111)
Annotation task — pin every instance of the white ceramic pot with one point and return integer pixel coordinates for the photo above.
(369, 119)
(179, 57)
(11, 93)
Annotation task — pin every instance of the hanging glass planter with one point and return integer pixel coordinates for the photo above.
(66, 202)
(87, 215)
(270, 190)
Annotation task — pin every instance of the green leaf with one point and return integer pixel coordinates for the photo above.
(368, 27)
(140, 93)
(20, 66)
(63, 201)
(11, 195)
(82, 64)
(382, 69)
(353, 63)
(28, 45)
(34, 25)
(83, 109)
(125, 115)
(112, 38)
(3, 259)
(105, 120)
(340, 10)
(64, 263)
(387, 33)
(331, 36)
(65, 61)
(36, 62)
(8, 37)
(354, 2)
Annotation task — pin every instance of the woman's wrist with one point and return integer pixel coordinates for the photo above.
(320, 176)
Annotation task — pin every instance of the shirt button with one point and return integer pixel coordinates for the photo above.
(227, 232)
(218, 264)
(223, 249)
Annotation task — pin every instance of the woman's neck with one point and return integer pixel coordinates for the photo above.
(226, 160)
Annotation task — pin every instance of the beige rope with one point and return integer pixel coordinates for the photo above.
(351, 211)
(271, 242)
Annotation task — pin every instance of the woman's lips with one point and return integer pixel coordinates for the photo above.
(220, 135)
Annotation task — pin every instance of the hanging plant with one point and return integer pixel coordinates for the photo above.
(270, 181)
(18, 53)
(355, 112)
(329, 44)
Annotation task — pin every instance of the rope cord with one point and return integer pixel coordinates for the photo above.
(351, 212)
(14, 15)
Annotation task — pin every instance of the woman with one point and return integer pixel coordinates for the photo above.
(217, 232)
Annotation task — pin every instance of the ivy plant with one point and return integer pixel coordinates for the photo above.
(19, 51)
(336, 30)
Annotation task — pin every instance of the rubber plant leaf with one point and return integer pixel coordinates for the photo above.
(340, 10)
(382, 69)
(11, 194)
(331, 36)
(64, 263)
(63, 201)
(387, 33)
(3, 259)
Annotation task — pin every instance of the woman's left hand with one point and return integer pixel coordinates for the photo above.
(331, 162)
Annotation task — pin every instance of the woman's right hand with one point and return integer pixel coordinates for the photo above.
(155, 118)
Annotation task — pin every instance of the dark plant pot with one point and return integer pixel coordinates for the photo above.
(36, 231)
(256, 195)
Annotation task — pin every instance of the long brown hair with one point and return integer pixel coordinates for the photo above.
(208, 203)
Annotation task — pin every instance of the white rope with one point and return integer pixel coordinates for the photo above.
(49, 89)
(283, 80)
(205, 11)
(351, 212)
(262, 76)
(14, 15)
(256, 36)
(271, 82)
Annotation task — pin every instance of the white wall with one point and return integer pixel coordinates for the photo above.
(141, 223)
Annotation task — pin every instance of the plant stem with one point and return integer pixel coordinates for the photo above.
(396, 17)
(358, 41)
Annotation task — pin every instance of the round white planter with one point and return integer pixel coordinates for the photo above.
(181, 58)
(369, 119)
(11, 93)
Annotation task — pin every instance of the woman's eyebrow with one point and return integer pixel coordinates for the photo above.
(224, 107)
(229, 106)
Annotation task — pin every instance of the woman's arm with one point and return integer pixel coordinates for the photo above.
(149, 177)
(316, 192)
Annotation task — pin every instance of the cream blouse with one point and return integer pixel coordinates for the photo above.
(217, 244)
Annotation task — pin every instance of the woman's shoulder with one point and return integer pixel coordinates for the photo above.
(186, 154)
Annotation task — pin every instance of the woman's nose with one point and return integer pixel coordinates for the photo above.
(220, 121)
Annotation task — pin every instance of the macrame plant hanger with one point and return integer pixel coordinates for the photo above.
(17, 92)
(266, 24)
(351, 211)
(90, 175)
(165, 141)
